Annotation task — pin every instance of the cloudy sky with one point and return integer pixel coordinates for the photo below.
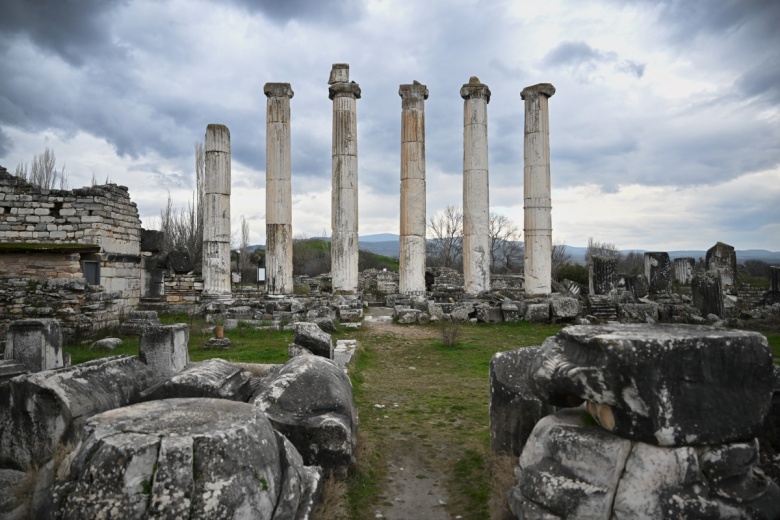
(665, 128)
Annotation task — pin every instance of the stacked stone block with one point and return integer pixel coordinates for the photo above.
(102, 217)
(667, 428)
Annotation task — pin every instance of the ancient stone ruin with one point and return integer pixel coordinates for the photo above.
(154, 435)
(667, 428)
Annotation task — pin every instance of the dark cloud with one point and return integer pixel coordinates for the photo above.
(308, 10)
(6, 143)
(763, 80)
(580, 55)
(72, 30)
(687, 20)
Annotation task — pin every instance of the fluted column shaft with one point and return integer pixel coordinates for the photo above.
(476, 204)
(278, 190)
(411, 272)
(344, 194)
(216, 213)
(537, 204)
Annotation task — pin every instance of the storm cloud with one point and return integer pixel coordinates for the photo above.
(678, 101)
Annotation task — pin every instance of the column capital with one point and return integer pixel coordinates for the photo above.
(339, 73)
(475, 90)
(217, 138)
(278, 90)
(414, 90)
(351, 89)
(529, 93)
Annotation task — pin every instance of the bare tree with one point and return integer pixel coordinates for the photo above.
(559, 256)
(506, 249)
(183, 227)
(445, 248)
(243, 251)
(631, 263)
(596, 248)
(43, 172)
(200, 173)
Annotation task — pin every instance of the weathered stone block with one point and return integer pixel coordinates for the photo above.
(39, 411)
(669, 385)
(538, 312)
(310, 402)
(603, 274)
(638, 312)
(462, 312)
(564, 307)
(36, 343)
(569, 469)
(180, 458)
(164, 348)
(151, 240)
(658, 270)
(707, 294)
(215, 378)
(314, 339)
(138, 321)
(514, 408)
(722, 258)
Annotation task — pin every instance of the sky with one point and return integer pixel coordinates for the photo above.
(664, 130)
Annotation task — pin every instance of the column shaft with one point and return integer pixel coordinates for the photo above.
(278, 190)
(216, 213)
(537, 204)
(476, 205)
(344, 211)
(411, 273)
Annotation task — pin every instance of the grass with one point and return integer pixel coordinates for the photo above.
(248, 345)
(774, 343)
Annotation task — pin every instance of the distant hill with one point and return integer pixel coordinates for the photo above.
(388, 244)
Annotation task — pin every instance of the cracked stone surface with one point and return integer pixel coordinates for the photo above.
(181, 458)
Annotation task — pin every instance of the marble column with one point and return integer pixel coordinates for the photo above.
(602, 274)
(537, 205)
(411, 272)
(278, 191)
(344, 194)
(216, 214)
(476, 206)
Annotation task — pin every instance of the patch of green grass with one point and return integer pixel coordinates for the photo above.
(248, 344)
(774, 343)
(82, 353)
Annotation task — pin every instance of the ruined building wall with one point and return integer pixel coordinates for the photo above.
(97, 223)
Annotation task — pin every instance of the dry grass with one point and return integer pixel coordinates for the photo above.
(449, 331)
(333, 501)
(502, 480)
(25, 489)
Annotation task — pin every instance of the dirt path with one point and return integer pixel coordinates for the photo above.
(416, 470)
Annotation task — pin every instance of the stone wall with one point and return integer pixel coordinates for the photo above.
(79, 307)
(97, 223)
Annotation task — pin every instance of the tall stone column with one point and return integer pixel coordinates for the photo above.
(344, 194)
(278, 190)
(537, 205)
(216, 214)
(476, 207)
(411, 272)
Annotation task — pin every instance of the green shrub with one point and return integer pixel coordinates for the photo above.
(574, 272)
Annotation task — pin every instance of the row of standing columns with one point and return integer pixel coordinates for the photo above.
(344, 212)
